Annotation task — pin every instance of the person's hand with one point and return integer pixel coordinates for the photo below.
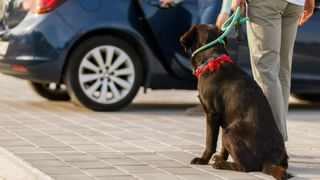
(222, 17)
(236, 3)
(307, 12)
(165, 3)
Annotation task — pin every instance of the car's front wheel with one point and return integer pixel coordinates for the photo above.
(51, 91)
(104, 73)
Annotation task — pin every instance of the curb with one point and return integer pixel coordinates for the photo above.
(15, 168)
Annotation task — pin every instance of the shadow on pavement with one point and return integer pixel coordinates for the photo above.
(304, 106)
(142, 107)
(139, 106)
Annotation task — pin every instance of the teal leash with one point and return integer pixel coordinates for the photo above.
(226, 27)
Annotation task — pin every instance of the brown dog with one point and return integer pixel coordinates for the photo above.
(233, 101)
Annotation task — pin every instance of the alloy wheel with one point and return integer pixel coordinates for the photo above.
(106, 74)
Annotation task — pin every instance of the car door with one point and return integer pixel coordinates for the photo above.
(167, 25)
(306, 58)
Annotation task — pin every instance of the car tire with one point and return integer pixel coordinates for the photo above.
(310, 97)
(51, 91)
(104, 73)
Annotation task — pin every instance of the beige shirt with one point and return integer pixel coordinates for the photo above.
(297, 2)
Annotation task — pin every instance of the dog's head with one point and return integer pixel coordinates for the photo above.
(198, 36)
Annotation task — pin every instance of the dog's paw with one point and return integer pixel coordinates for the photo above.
(281, 175)
(217, 157)
(218, 165)
(199, 161)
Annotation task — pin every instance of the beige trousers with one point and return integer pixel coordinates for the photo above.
(272, 29)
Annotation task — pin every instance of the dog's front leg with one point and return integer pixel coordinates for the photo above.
(211, 140)
(224, 154)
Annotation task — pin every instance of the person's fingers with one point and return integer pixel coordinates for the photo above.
(305, 17)
(164, 4)
(308, 16)
(234, 5)
(300, 21)
(307, 12)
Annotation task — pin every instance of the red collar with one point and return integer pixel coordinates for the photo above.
(212, 64)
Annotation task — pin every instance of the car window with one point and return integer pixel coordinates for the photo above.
(14, 13)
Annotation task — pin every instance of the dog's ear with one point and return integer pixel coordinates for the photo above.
(189, 38)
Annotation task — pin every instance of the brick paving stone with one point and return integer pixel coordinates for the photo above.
(126, 161)
(10, 142)
(91, 147)
(59, 170)
(105, 172)
(166, 163)
(63, 148)
(133, 169)
(158, 176)
(118, 178)
(48, 163)
(201, 177)
(148, 157)
(76, 157)
(236, 175)
(183, 170)
(73, 177)
(108, 155)
(24, 149)
(89, 164)
(181, 156)
(36, 156)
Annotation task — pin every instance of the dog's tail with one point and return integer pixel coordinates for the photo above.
(278, 172)
(289, 175)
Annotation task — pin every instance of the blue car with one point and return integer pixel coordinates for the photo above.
(100, 52)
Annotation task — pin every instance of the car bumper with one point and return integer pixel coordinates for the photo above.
(36, 49)
(37, 71)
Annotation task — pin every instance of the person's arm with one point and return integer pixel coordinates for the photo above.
(224, 12)
(307, 12)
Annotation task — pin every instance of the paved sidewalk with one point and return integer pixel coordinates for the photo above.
(151, 139)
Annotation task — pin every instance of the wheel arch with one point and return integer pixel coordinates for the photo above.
(129, 37)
